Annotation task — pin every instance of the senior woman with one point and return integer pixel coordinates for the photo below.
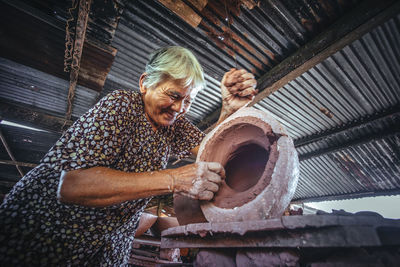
(82, 204)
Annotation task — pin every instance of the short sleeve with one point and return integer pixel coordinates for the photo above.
(186, 136)
(96, 138)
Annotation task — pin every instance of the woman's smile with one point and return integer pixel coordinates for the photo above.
(170, 115)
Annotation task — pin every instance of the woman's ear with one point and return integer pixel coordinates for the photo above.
(143, 88)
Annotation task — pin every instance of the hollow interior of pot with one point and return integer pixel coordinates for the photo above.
(247, 149)
(245, 166)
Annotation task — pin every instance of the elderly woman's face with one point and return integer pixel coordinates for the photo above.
(165, 102)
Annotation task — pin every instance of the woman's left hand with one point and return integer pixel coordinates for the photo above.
(238, 87)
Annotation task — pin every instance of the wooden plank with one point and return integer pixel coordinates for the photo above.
(184, 11)
(41, 45)
(364, 18)
(96, 63)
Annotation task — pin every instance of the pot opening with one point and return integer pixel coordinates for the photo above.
(245, 167)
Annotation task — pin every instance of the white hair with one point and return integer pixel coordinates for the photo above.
(174, 63)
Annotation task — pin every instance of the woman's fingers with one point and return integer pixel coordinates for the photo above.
(206, 195)
(210, 186)
(210, 178)
(200, 180)
(247, 76)
(216, 168)
(238, 87)
(233, 77)
(213, 178)
(250, 91)
(227, 76)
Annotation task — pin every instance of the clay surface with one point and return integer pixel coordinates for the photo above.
(162, 224)
(188, 210)
(246, 147)
(215, 258)
(145, 222)
(245, 167)
(306, 231)
(261, 165)
(267, 257)
(262, 170)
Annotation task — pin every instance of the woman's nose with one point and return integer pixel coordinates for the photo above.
(177, 106)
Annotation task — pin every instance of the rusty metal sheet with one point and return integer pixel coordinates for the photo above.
(45, 52)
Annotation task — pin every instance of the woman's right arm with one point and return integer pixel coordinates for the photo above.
(101, 186)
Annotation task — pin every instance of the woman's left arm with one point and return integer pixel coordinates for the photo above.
(238, 87)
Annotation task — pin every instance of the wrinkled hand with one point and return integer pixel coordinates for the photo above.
(238, 87)
(198, 180)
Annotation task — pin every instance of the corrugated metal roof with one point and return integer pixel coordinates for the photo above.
(261, 37)
(363, 132)
(356, 84)
(19, 83)
(360, 80)
(369, 168)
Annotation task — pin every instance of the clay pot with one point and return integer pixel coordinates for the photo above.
(261, 165)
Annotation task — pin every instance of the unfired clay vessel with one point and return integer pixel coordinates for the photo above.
(261, 165)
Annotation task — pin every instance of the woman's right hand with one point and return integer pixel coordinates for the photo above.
(198, 180)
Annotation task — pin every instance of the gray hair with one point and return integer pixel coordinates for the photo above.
(176, 63)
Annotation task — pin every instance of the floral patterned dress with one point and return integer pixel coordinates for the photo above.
(37, 229)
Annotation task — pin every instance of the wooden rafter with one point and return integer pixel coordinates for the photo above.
(10, 154)
(81, 25)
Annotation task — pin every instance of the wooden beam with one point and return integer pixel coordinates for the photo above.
(364, 18)
(184, 11)
(32, 116)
